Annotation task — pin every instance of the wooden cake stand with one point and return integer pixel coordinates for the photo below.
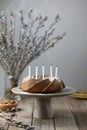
(43, 107)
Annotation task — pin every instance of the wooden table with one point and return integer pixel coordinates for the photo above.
(69, 114)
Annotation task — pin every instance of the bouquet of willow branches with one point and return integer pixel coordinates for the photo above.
(14, 57)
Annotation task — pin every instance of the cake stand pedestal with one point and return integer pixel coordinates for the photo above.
(42, 102)
(42, 107)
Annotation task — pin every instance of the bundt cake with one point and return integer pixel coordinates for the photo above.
(39, 85)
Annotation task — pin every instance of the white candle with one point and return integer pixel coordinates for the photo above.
(36, 72)
(56, 71)
(42, 71)
(29, 71)
(51, 71)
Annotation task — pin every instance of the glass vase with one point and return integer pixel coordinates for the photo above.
(8, 93)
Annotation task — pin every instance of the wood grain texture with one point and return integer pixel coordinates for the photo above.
(69, 114)
(79, 110)
(63, 116)
(43, 124)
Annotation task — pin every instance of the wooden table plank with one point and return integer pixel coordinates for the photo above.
(69, 114)
(85, 101)
(63, 117)
(43, 124)
(79, 110)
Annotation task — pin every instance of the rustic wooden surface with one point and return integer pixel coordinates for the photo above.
(69, 114)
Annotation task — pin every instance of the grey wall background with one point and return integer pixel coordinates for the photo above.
(70, 54)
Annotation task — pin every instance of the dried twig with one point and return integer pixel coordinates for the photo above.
(14, 57)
